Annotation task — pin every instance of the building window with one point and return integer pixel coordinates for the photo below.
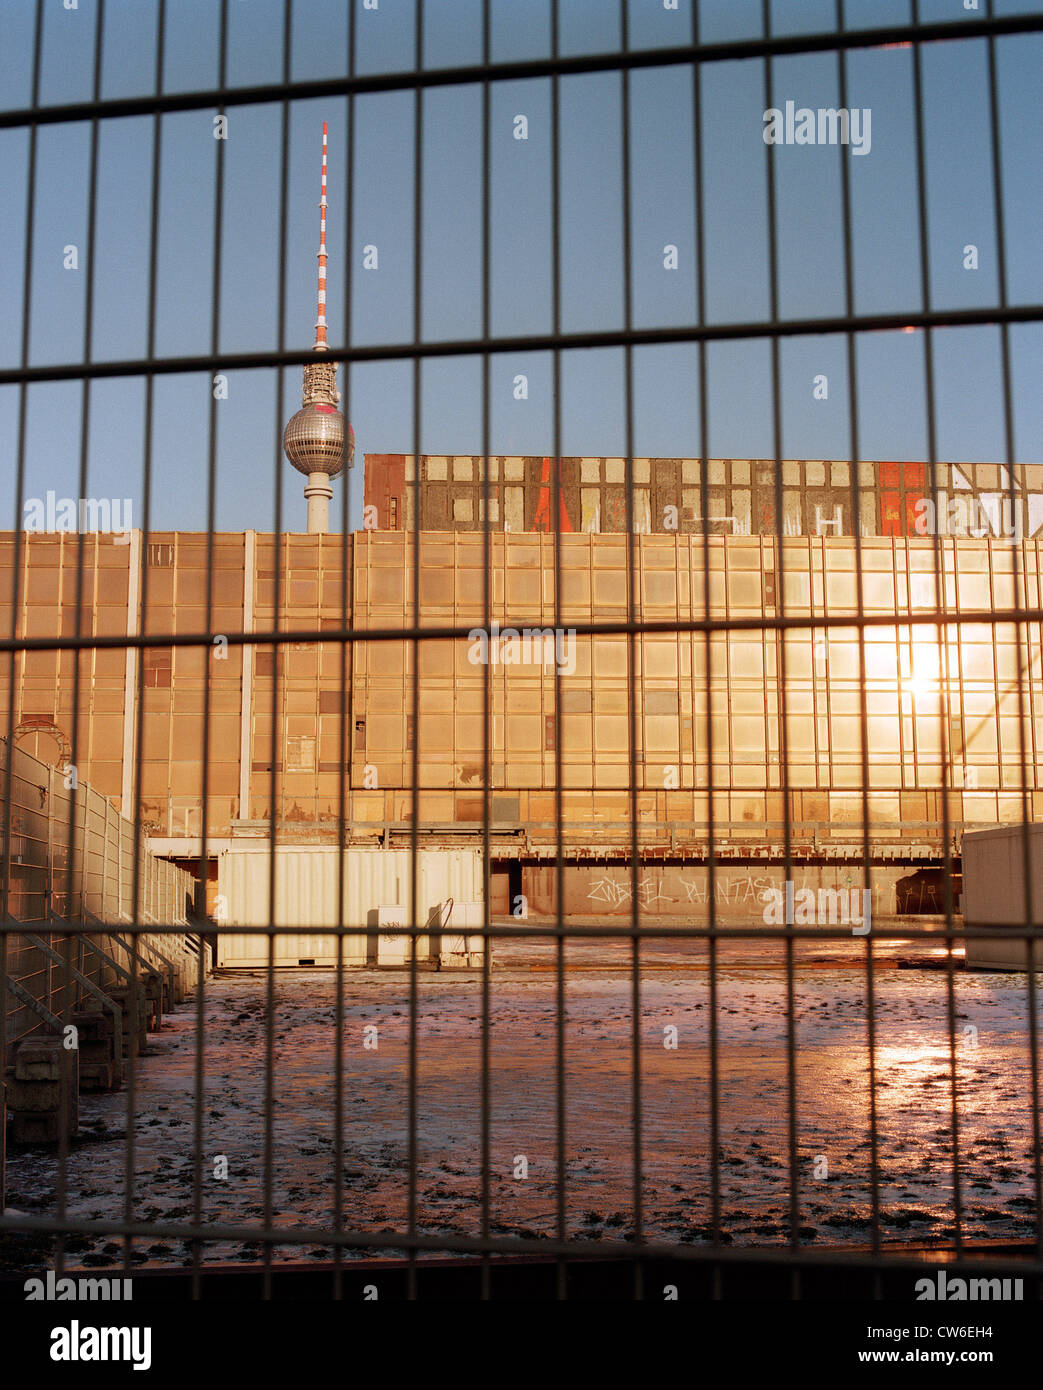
(575, 702)
(661, 702)
(300, 754)
(268, 662)
(157, 666)
(393, 514)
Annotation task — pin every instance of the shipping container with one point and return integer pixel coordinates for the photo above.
(994, 893)
(307, 896)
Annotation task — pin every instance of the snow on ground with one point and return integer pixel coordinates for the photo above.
(914, 1101)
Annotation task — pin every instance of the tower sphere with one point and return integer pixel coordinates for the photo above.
(314, 439)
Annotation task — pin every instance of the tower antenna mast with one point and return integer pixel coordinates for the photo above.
(314, 439)
(320, 322)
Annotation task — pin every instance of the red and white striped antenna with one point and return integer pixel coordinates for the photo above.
(320, 322)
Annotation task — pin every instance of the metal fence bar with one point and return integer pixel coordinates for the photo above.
(561, 1107)
(485, 1098)
(712, 842)
(414, 811)
(505, 344)
(1020, 595)
(514, 1245)
(854, 450)
(647, 932)
(621, 627)
(939, 588)
(419, 78)
(345, 722)
(713, 1041)
(635, 603)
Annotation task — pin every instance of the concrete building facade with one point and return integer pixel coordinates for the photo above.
(297, 732)
(820, 497)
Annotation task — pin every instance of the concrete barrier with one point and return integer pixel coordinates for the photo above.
(101, 1067)
(131, 1000)
(45, 1072)
(156, 993)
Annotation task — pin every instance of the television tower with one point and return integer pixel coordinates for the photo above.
(314, 438)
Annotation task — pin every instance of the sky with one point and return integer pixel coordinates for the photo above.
(250, 469)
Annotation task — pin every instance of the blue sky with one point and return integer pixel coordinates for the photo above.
(887, 278)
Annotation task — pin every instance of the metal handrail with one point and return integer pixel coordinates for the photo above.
(31, 1002)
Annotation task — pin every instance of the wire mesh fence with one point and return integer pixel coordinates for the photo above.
(584, 748)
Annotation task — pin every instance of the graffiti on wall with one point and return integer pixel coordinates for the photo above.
(617, 891)
(673, 892)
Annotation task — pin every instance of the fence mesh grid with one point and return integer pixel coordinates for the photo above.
(1014, 615)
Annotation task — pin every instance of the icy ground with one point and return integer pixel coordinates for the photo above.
(913, 1098)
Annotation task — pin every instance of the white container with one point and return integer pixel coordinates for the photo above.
(994, 893)
(459, 946)
(392, 947)
(308, 894)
